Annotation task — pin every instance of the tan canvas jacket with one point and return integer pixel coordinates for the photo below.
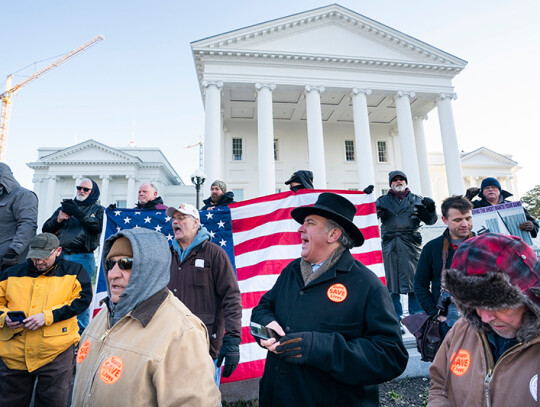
(464, 373)
(157, 355)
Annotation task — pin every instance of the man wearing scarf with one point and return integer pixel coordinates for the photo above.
(401, 212)
(77, 223)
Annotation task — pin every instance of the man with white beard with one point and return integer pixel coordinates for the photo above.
(77, 223)
(401, 212)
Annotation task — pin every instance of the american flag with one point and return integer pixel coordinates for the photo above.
(261, 238)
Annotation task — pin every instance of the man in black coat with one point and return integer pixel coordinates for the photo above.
(219, 196)
(401, 212)
(301, 179)
(437, 256)
(340, 336)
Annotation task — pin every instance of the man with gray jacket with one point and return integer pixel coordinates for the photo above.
(18, 218)
(144, 348)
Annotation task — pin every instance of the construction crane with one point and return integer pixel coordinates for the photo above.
(5, 97)
(201, 150)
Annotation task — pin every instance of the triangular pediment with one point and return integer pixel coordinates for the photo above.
(484, 157)
(86, 152)
(331, 31)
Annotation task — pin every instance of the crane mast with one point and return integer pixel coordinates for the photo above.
(11, 90)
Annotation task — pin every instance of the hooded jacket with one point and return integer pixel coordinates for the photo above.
(79, 235)
(148, 349)
(226, 199)
(18, 215)
(465, 372)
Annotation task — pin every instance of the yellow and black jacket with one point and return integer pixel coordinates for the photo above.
(60, 293)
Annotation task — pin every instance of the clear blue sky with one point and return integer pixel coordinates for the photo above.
(143, 73)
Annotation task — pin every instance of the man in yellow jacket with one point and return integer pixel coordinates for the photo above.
(39, 303)
(144, 348)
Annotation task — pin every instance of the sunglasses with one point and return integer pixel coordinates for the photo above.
(398, 178)
(84, 189)
(124, 264)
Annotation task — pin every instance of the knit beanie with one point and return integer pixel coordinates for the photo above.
(393, 174)
(490, 182)
(120, 247)
(220, 184)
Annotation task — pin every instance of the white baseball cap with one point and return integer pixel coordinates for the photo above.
(184, 208)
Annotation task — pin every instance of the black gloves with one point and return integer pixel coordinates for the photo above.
(295, 348)
(369, 189)
(472, 192)
(230, 351)
(71, 208)
(429, 204)
(11, 258)
(112, 207)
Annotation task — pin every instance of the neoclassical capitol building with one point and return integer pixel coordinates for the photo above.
(327, 90)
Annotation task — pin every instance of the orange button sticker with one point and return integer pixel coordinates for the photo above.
(83, 351)
(461, 361)
(111, 370)
(337, 293)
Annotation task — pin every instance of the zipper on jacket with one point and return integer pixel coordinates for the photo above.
(487, 382)
(102, 338)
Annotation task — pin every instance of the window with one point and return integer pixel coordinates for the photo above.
(121, 203)
(276, 149)
(382, 151)
(237, 149)
(384, 191)
(349, 150)
(278, 190)
(238, 194)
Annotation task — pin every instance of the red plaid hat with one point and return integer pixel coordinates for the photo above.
(494, 271)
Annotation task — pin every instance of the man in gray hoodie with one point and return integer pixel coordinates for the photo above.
(18, 217)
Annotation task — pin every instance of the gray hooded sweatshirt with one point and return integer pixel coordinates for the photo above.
(18, 215)
(150, 272)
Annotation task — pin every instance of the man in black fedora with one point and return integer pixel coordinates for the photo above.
(340, 335)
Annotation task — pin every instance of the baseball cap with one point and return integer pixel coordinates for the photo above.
(184, 208)
(42, 245)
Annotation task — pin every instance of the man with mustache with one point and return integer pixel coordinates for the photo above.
(202, 277)
(491, 355)
(219, 196)
(400, 212)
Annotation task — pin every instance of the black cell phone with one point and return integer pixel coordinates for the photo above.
(263, 332)
(16, 316)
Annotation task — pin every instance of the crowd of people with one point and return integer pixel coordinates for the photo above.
(171, 324)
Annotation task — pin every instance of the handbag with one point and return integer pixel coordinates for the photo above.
(427, 331)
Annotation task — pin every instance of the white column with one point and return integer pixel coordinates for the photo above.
(362, 135)
(51, 196)
(454, 173)
(104, 196)
(315, 135)
(409, 157)
(212, 131)
(265, 130)
(41, 193)
(130, 199)
(421, 150)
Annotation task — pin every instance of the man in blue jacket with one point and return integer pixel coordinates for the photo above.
(340, 335)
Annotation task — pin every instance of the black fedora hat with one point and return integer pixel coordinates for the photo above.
(335, 207)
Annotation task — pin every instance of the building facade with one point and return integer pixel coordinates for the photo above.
(117, 171)
(327, 90)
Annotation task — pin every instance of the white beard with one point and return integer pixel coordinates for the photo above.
(81, 198)
(399, 188)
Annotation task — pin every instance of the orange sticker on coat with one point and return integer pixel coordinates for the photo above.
(83, 351)
(461, 361)
(337, 292)
(111, 370)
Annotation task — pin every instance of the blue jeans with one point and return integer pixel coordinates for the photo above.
(414, 305)
(88, 261)
(217, 377)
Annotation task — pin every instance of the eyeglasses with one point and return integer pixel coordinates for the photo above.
(124, 264)
(84, 189)
(398, 178)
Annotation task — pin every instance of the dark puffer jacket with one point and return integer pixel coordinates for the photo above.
(226, 199)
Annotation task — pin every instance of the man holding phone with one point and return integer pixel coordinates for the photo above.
(340, 334)
(39, 303)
